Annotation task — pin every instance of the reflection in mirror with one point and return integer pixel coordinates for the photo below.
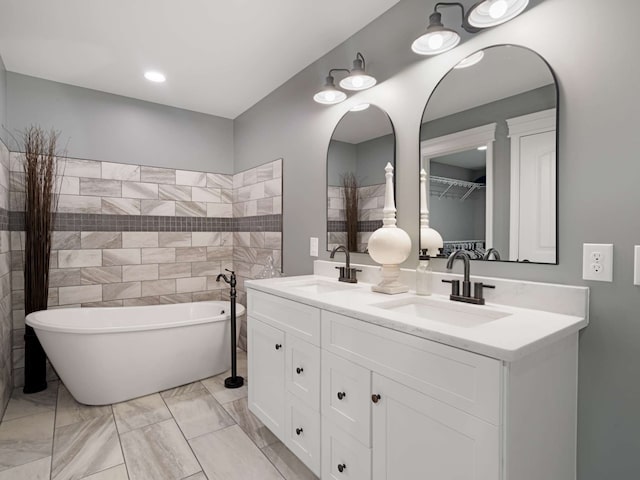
(360, 147)
(488, 143)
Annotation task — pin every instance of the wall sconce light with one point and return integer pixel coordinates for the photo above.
(357, 79)
(486, 13)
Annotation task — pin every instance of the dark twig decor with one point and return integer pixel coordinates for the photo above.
(350, 196)
(40, 169)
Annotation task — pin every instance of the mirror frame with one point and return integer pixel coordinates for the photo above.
(395, 164)
(442, 143)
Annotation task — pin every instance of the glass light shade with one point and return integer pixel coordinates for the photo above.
(358, 80)
(489, 13)
(435, 42)
(156, 77)
(470, 60)
(329, 96)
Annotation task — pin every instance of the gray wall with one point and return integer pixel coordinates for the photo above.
(598, 94)
(373, 156)
(102, 126)
(342, 158)
(3, 102)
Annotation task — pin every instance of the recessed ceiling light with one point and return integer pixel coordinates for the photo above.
(483, 147)
(156, 77)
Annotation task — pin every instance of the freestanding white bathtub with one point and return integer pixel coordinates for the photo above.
(108, 355)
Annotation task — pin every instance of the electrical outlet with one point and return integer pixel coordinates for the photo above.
(636, 265)
(313, 246)
(597, 262)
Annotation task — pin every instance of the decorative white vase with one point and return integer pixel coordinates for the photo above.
(389, 245)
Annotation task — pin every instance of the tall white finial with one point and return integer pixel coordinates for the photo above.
(389, 210)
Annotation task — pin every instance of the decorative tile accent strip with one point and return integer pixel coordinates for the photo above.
(4, 219)
(363, 226)
(87, 222)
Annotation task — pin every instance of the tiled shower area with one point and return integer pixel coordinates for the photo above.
(129, 235)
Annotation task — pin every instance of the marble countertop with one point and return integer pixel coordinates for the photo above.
(519, 332)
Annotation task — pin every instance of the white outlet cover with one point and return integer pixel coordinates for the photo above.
(600, 271)
(636, 265)
(313, 246)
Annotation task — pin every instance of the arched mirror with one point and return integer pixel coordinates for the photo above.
(362, 144)
(488, 142)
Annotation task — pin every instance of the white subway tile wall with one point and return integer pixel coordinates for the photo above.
(91, 267)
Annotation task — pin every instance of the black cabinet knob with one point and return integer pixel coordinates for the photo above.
(299, 431)
(278, 346)
(375, 398)
(341, 467)
(341, 395)
(299, 370)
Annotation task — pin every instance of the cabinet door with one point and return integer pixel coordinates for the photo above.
(266, 358)
(346, 396)
(343, 458)
(303, 371)
(418, 437)
(302, 434)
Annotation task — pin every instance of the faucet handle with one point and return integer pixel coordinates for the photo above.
(478, 288)
(455, 286)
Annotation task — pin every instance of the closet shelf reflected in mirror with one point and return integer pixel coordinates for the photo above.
(453, 187)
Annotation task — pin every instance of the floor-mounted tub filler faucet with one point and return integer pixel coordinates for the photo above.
(478, 287)
(347, 274)
(234, 381)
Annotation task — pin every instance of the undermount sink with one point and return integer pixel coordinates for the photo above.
(319, 286)
(444, 312)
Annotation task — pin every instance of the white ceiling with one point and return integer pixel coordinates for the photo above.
(220, 57)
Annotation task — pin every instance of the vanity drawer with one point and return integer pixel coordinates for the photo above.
(462, 379)
(341, 452)
(302, 432)
(346, 396)
(295, 318)
(303, 371)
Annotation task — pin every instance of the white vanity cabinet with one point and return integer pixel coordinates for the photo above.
(398, 406)
(283, 339)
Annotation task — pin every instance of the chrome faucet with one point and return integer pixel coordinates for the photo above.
(489, 252)
(347, 274)
(478, 287)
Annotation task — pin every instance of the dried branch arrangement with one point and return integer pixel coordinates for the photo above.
(350, 196)
(41, 171)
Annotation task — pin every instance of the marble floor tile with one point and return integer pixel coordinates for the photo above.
(198, 413)
(181, 390)
(21, 405)
(69, 411)
(254, 428)
(140, 412)
(38, 470)
(229, 454)
(289, 466)
(115, 473)
(158, 452)
(25, 439)
(84, 448)
(197, 476)
(216, 387)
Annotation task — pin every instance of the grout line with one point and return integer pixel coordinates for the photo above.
(124, 459)
(53, 435)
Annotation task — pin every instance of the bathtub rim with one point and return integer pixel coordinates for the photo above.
(34, 321)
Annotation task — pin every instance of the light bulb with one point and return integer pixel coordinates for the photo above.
(357, 82)
(330, 96)
(435, 41)
(498, 9)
